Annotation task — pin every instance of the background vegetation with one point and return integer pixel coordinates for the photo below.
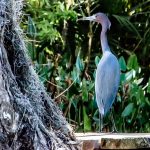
(65, 54)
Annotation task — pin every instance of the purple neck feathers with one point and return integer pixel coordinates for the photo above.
(103, 37)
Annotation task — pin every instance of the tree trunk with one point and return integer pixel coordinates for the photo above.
(29, 119)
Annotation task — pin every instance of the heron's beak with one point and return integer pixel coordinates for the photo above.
(90, 18)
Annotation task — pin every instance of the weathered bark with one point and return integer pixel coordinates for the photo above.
(28, 116)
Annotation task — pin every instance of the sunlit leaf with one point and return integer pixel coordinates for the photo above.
(139, 81)
(129, 75)
(87, 120)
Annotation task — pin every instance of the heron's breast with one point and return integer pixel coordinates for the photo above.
(108, 62)
(107, 73)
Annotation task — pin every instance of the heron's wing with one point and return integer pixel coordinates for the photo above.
(106, 83)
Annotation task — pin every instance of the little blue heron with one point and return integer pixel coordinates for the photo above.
(108, 70)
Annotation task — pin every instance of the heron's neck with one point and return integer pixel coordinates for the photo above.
(104, 42)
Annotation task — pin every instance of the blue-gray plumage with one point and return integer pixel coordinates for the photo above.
(108, 70)
(106, 82)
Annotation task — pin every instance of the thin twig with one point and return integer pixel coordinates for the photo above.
(66, 89)
(80, 8)
(53, 84)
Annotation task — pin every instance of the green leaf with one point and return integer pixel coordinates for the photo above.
(128, 109)
(129, 75)
(119, 99)
(79, 63)
(147, 101)
(31, 27)
(86, 120)
(75, 75)
(31, 50)
(97, 59)
(122, 63)
(138, 81)
(91, 86)
(148, 88)
(122, 78)
(84, 91)
(140, 96)
(96, 116)
(132, 62)
(42, 58)
(75, 102)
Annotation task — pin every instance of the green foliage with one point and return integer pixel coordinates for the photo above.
(132, 62)
(97, 59)
(122, 63)
(125, 22)
(31, 30)
(86, 120)
(66, 62)
(79, 64)
(148, 89)
(128, 110)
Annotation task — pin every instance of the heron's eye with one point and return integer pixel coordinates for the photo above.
(97, 16)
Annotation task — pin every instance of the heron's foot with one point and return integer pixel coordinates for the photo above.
(104, 132)
(114, 131)
(101, 132)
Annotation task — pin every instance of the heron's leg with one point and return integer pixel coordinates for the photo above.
(113, 122)
(100, 122)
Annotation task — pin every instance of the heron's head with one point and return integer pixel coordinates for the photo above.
(99, 18)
